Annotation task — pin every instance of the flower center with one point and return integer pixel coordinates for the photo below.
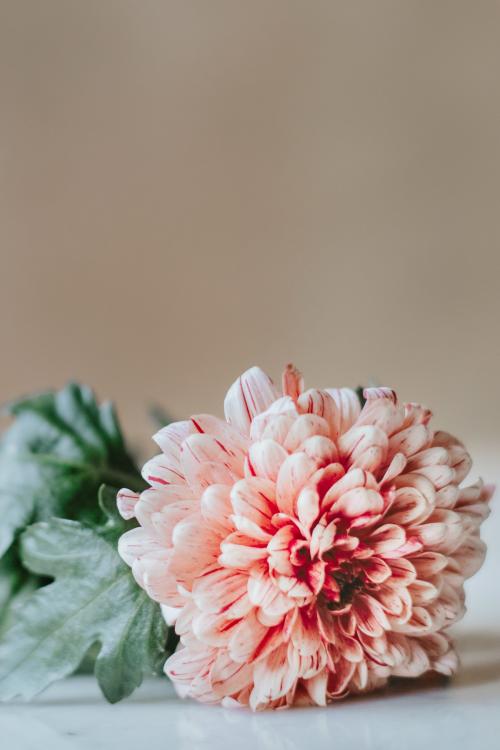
(349, 583)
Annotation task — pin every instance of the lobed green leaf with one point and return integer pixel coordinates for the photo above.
(93, 600)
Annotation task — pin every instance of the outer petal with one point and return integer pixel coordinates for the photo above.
(348, 408)
(126, 501)
(273, 678)
(252, 393)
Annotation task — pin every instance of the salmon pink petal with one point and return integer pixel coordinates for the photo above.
(229, 677)
(376, 569)
(251, 640)
(241, 552)
(219, 429)
(250, 529)
(201, 449)
(137, 543)
(319, 402)
(279, 549)
(151, 574)
(254, 498)
(396, 467)
(183, 666)
(250, 395)
(382, 412)
(386, 538)
(294, 587)
(370, 616)
(306, 637)
(304, 427)
(273, 678)
(428, 457)
(411, 440)
(364, 447)
(213, 629)
(325, 479)
(359, 501)
(316, 687)
(158, 472)
(292, 382)
(170, 438)
(196, 547)
(347, 481)
(339, 677)
(307, 507)
(263, 593)
(439, 474)
(322, 450)
(428, 564)
(347, 411)
(164, 521)
(126, 501)
(374, 394)
(265, 458)
(292, 476)
(221, 590)
(216, 507)
(272, 426)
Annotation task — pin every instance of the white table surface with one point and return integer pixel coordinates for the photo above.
(462, 713)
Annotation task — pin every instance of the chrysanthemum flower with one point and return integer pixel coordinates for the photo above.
(305, 547)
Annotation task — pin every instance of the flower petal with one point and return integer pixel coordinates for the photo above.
(251, 394)
(126, 501)
(293, 474)
(265, 458)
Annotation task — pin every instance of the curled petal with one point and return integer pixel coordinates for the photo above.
(216, 507)
(364, 447)
(292, 476)
(158, 472)
(386, 538)
(255, 499)
(273, 678)
(170, 438)
(358, 503)
(304, 427)
(348, 409)
(126, 501)
(251, 640)
(410, 440)
(266, 458)
(383, 413)
(375, 394)
(321, 450)
(370, 616)
(240, 551)
(292, 382)
(222, 590)
(340, 483)
(228, 677)
(137, 543)
(251, 394)
(272, 426)
(316, 687)
(308, 507)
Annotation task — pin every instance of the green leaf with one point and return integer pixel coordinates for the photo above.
(93, 600)
(60, 448)
(15, 584)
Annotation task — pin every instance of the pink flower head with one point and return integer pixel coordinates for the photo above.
(305, 547)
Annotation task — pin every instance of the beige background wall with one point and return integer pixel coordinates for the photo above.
(189, 188)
